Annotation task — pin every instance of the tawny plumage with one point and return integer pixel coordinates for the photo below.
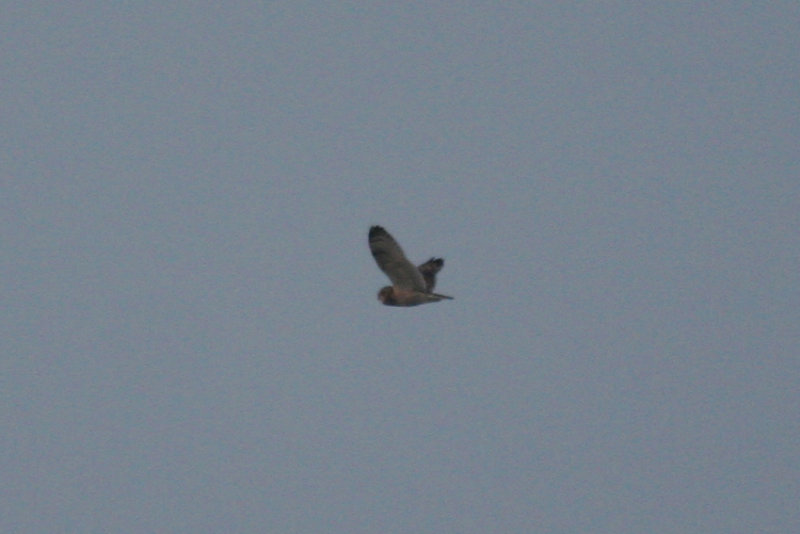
(411, 285)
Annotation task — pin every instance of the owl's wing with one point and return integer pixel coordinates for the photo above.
(390, 258)
(429, 270)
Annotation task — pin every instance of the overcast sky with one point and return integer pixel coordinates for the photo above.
(190, 336)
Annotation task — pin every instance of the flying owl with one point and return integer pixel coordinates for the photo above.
(411, 285)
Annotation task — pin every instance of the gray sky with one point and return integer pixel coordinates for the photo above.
(191, 340)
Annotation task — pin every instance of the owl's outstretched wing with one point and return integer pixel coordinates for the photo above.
(390, 258)
(429, 270)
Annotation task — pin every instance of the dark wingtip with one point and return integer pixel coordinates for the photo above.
(438, 263)
(375, 230)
